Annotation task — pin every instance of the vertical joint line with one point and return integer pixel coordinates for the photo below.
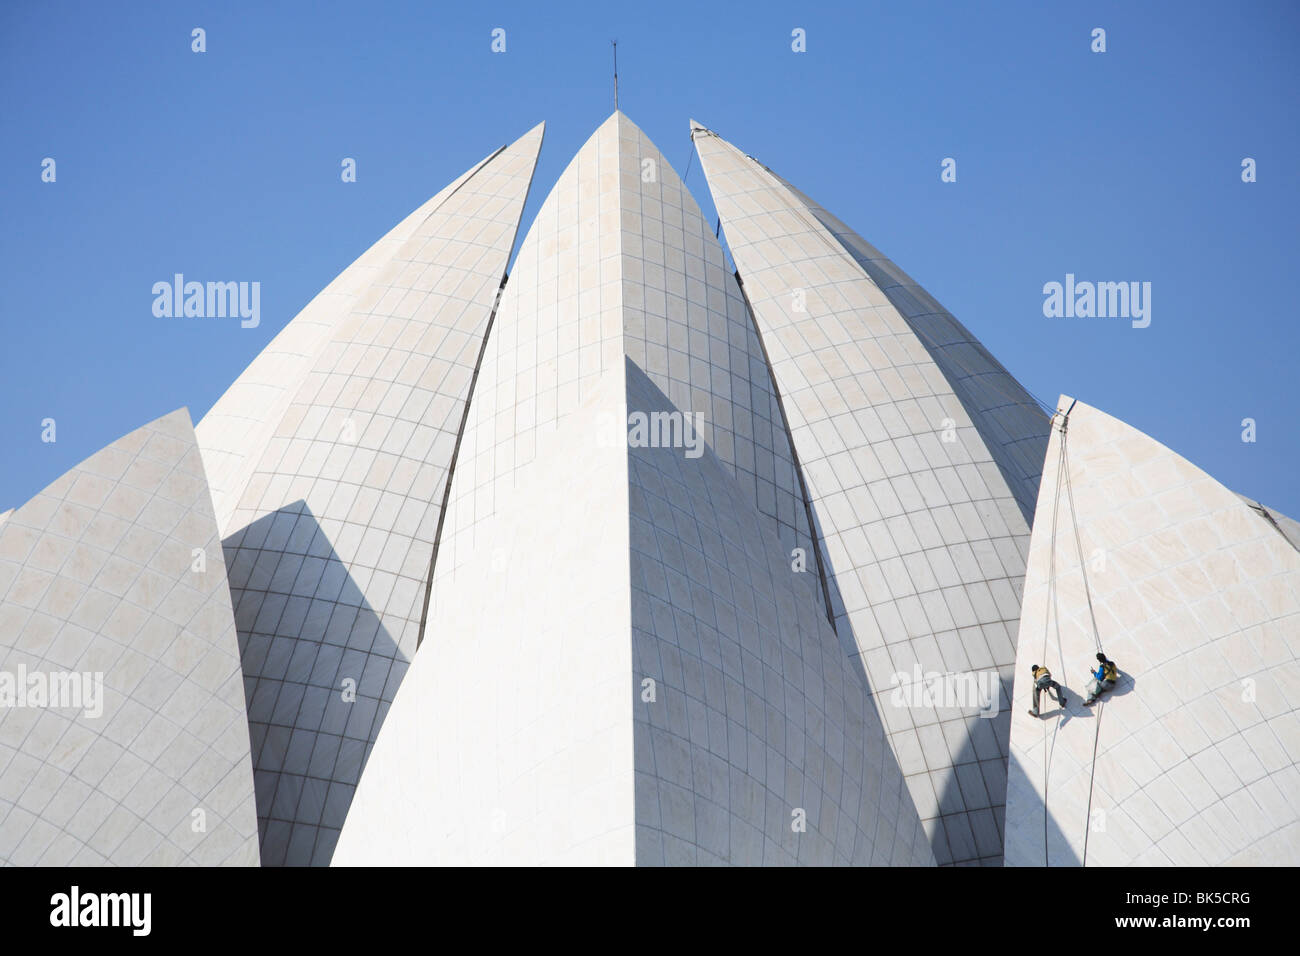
(455, 455)
(794, 454)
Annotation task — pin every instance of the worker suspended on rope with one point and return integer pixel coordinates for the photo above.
(1103, 679)
(1043, 682)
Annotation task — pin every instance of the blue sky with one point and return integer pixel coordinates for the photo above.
(225, 166)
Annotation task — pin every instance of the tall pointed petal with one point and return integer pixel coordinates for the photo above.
(333, 451)
(921, 456)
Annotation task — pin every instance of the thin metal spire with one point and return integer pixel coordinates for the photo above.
(615, 43)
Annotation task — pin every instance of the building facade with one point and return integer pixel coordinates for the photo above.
(673, 546)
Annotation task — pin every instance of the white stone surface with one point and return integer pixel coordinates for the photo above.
(621, 664)
(510, 742)
(1288, 527)
(924, 538)
(620, 261)
(236, 431)
(115, 572)
(759, 719)
(513, 740)
(1197, 599)
(1011, 424)
(333, 451)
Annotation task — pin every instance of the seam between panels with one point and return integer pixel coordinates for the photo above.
(627, 463)
(836, 247)
(455, 456)
(794, 456)
(236, 493)
(469, 393)
(372, 736)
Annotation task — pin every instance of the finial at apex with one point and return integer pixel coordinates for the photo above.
(615, 44)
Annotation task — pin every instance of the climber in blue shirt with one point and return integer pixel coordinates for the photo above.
(1103, 679)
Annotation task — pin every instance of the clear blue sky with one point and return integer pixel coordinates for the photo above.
(225, 166)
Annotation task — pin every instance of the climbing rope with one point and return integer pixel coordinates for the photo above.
(972, 378)
(1063, 477)
(1096, 639)
(1092, 776)
(1078, 543)
(1047, 618)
